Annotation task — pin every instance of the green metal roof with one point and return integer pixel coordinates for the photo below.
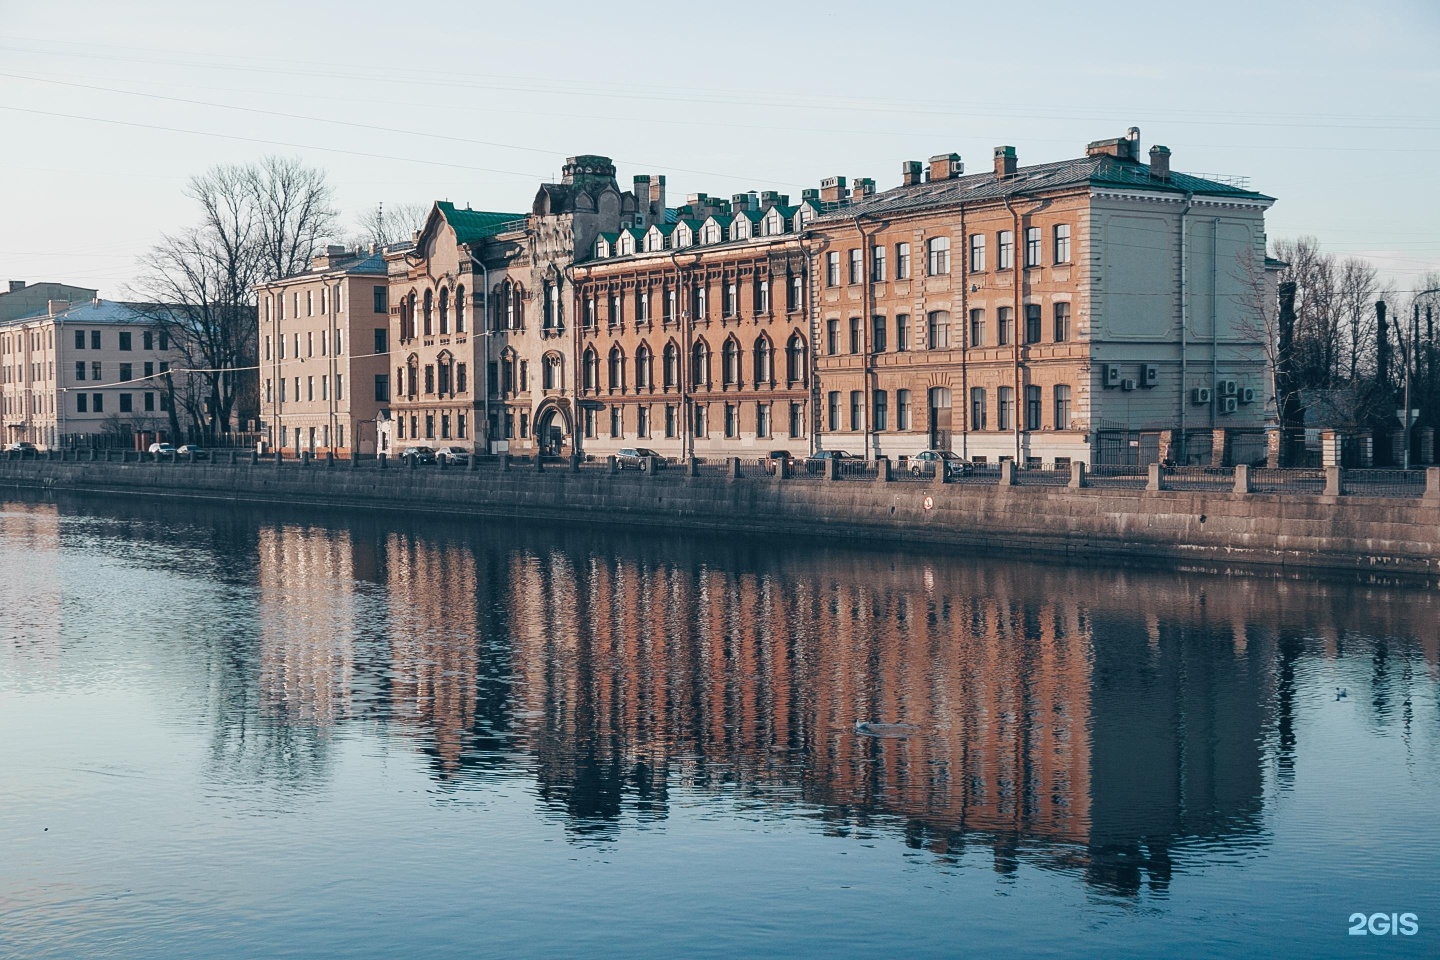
(472, 225)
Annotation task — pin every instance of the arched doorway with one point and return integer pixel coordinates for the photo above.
(554, 430)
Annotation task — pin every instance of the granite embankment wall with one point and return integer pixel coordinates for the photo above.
(1215, 530)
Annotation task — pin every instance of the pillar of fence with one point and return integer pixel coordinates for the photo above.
(442, 463)
(304, 458)
(383, 459)
(1153, 478)
(472, 462)
(329, 459)
(692, 466)
(254, 457)
(782, 468)
(412, 462)
(832, 469)
(732, 468)
(234, 458)
(575, 463)
(650, 465)
(1007, 473)
(354, 461)
(882, 470)
(1432, 484)
(1078, 476)
(613, 463)
(1426, 453)
(1332, 481)
(1242, 478)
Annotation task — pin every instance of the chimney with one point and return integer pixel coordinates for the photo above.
(1004, 162)
(336, 250)
(1121, 148)
(946, 166)
(909, 173)
(740, 202)
(17, 285)
(1132, 136)
(1160, 162)
(832, 190)
(864, 187)
(53, 307)
(811, 194)
(657, 198)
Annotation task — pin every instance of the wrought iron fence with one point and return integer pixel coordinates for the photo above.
(1042, 477)
(1118, 476)
(1383, 483)
(1289, 480)
(1197, 478)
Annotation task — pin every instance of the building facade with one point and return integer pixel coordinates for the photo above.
(77, 373)
(32, 299)
(483, 353)
(694, 332)
(1099, 309)
(325, 354)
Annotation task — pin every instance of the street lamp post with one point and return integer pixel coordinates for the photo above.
(1410, 360)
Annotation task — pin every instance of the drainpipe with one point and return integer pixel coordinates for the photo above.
(485, 324)
(808, 307)
(867, 372)
(965, 343)
(687, 445)
(1184, 457)
(1214, 321)
(1017, 318)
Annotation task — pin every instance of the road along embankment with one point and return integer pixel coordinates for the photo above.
(1211, 529)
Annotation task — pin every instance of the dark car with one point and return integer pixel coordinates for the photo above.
(923, 463)
(775, 457)
(418, 455)
(635, 457)
(23, 447)
(192, 451)
(815, 463)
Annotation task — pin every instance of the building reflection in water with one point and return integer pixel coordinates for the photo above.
(30, 592)
(1097, 721)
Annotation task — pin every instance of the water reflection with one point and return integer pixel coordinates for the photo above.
(1086, 720)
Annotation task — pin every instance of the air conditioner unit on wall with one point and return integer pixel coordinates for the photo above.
(1225, 388)
(1200, 395)
(1127, 384)
(1247, 394)
(1149, 375)
(1227, 405)
(1111, 372)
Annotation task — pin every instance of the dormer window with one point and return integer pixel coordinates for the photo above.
(712, 233)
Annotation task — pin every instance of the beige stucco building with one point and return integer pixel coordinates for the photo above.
(324, 354)
(78, 372)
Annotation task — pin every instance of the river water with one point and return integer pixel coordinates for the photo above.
(241, 733)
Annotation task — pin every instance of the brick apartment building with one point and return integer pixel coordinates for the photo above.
(1095, 309)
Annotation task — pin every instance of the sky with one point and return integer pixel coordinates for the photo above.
(107, 109)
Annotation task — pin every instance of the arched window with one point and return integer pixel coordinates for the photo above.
(551, 319)
(412, 375)
(592, 369)
(643, 368)
(459, 309)
(730, 363)
(795, 359)
(617, 369)
(507, 372)
(429, 313)
(672, 365)
(550, 372)
(444, 366)
(444, 310)
(700, 364)
(763, 366)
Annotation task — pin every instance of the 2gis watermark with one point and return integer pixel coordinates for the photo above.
(1384, 924)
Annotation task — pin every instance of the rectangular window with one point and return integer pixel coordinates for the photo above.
(461, 426)
(82, 402)
(902, 409)
(125, 340)
(310, 388)
(1062, 407)
(857, 334)
(762, 420)
(164, 340)
(616, 423)
(1005, 414)
(282, 389)
(94, 339)
(977, 252)
(832, 268)
(670, 421)
(325, 387)
(380, 301)
(732, 420)
(79, 339)
(857, 409)
(1032, 323)
(832, 337)
(429, 378)
(1032, 246)
(939, 330)
(902, 331)
(444, 426)
(877, 264)
(429, 426)
(882, 410)
(797, 420)
(977, 328)
(902, 261)
(1006, 258)
(127, 403)
(977, 408)
(150, 402)
(1032, 407)
(79, 369)
(1062, 243)
(702, 420)
(590, 423)
(95, 371)
(877, 334)
(127, 372)
(149, 368)
(642, 420)
(310, 344)
(97, 403)
(832, 410)
(462, 378)
(281, 345)
(149, 340)
(1005, 326)
(937, 250)
(382, 387)
(857, 265)
(1062, 322)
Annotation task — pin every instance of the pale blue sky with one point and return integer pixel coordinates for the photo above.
(1333, 107)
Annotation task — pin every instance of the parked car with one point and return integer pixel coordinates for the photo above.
(23, 447)
(454, 456)
(775, 457)
(635, 457)
(191, 450)
(923, 463)
(158, 450)
(418, 455)
(815, 463)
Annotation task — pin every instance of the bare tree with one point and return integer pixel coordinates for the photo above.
(1359, 288)
(258, 222)
(389, 223)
